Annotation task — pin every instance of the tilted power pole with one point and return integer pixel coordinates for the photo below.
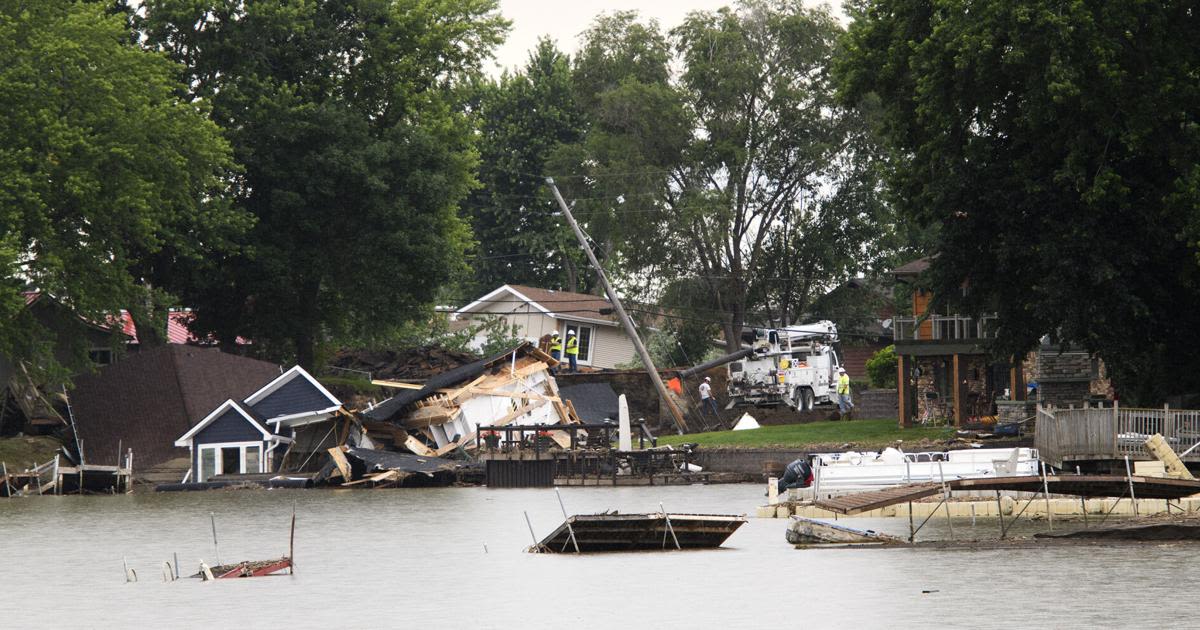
(680, 424)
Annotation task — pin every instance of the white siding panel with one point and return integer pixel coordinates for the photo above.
(612, 347)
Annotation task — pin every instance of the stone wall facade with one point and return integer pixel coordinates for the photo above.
(877, 403)
(1070, 378)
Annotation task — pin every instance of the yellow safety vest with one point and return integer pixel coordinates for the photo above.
(555, 344)
(572, 345)
(843, 384)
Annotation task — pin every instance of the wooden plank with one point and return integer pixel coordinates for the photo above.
(1159, 448)
(397, 384)
(425, 416)
(532, 368)
(379, 477)
(465, 389)
(516, 413)
(339, 459)
(418, 447)
(521, 395)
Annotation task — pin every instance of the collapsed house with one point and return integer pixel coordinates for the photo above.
(444, 414)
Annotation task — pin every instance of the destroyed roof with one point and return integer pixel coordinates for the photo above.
(151, 397)
(593, 402)
(412, 363)
(558, 304)
(387, 410)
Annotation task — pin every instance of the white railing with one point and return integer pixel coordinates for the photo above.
(943, 328)
(1064, 435)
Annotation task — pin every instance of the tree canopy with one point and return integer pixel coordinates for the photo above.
(1056, 149)
(347, 119)
(741, 170)
(107, 176)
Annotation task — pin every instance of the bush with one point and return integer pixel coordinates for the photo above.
(881, 368)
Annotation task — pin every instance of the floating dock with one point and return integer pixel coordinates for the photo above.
(640, 532)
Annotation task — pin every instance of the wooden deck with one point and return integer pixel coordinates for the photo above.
(1077, 485)
(1062, 436)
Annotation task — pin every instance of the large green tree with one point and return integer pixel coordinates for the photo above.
(739, 169)
(1055, 147)
(346, 117)
(523, 117)
(107, 176)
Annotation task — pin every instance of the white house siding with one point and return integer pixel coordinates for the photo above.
(531, 323)
(612, 347)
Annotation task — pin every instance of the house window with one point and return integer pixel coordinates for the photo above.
(101, 356)
(229, 459)
(585, 341)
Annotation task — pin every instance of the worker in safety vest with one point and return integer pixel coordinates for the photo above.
(573, 350)
(843, 393)
(555, 347)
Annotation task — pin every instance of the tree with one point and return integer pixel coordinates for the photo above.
(1055, 148)
(523, 117)
(742, 170)
(106, 174)
(347, 118)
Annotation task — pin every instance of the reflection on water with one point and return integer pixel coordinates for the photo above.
(395, 558)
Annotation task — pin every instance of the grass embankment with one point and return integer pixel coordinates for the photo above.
(19, 453)
(862, 434)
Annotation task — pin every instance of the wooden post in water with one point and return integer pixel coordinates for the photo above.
(1046, 493)
(946, 500)
(1000, 513)
(292, 543)
(1129, 478)
(7, 485)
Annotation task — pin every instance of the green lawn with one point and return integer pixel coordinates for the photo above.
(860, 433)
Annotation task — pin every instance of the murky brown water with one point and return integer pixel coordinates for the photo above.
(415, 558)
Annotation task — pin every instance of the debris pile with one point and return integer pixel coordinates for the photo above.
(412, 364)
(443, 415)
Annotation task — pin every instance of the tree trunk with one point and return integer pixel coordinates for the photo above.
(148, 333)
(305, 350)
(572, 274)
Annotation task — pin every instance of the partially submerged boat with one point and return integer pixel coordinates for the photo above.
(806, 531)
(657, 531)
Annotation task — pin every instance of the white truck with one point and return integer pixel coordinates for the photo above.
(794, 366)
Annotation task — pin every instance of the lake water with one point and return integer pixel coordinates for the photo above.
(416, 558)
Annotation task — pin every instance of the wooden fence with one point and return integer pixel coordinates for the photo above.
(1067, 435)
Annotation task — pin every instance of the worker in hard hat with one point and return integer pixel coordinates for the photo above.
(573, 350)
(707, 401)
(555, 348)
(845, 405)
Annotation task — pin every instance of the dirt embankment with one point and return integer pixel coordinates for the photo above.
(19, 453)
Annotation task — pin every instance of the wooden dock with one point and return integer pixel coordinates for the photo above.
(54, 478)
(1076, 485)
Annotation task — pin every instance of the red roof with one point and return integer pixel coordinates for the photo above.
(177, 325)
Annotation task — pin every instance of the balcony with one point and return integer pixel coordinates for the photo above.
(944, 328)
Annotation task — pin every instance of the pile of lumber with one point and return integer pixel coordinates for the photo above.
(521, 391)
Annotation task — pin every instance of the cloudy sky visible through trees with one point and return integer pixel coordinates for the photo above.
(564, 21)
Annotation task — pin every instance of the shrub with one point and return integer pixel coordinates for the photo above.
(881, 368)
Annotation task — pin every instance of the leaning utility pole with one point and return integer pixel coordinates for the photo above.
(680, 424)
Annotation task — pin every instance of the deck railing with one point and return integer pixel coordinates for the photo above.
(943, 328)
(1065, 435)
